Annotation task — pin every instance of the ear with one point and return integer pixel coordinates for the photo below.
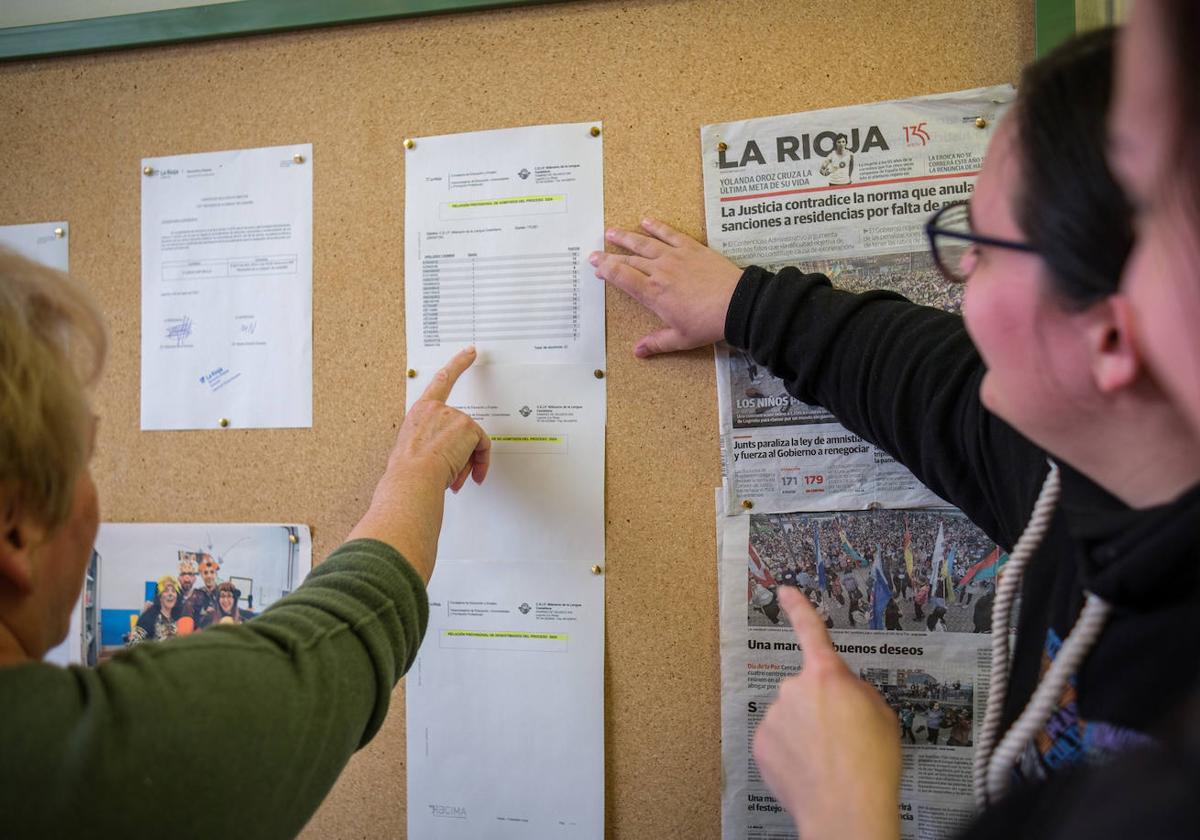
(1112, 344)
(18, 536)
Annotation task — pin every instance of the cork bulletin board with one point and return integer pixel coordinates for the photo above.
(74, 131)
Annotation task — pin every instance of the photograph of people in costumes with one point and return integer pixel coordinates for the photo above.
(155, 582)
(915, 570)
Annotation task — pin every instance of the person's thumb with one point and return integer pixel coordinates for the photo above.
(666, 340)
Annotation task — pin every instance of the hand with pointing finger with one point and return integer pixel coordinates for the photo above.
(435, 438)
(436, 449)
(686, 284)
(829, 746)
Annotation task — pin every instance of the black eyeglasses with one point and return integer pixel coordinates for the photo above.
(951, 237)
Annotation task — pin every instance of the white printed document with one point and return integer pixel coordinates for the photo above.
(227, 289)
(544, 494)
(44, 242)
(506, 699)
(498, 226)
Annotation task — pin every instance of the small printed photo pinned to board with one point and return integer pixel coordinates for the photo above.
(43, 242)
(149, 583)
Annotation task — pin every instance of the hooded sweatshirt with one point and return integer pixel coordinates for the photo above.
(906, 378)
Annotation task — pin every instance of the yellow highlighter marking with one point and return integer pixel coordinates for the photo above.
(505, 634)
(498, 202)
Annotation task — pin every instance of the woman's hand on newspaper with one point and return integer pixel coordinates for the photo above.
(686, 284)
(829, 746)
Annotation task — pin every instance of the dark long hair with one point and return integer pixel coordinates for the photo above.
(235, 613)
(1069, 207)
(1179, 24)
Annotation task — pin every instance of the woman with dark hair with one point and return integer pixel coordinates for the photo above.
(1149, 792)
(158, 622)
(1035, 413)
(226, 609)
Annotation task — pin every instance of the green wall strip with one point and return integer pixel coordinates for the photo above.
(219, 20)
(1054, 23)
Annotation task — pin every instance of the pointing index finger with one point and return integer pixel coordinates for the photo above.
(443, 381)
(808, 626)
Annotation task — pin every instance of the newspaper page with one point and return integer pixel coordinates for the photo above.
(904, 582)
(845, 192)
(907, 597)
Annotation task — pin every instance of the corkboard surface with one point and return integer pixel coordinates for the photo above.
(75, 129)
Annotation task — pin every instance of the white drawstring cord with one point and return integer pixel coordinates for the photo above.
(1045, 697)
(993, 763)
(1007, 587)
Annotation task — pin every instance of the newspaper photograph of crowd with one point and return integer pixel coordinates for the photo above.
(931, 711)
(910, 570)
(910, 273)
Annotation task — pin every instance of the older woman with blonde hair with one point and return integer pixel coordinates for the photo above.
(301, 687)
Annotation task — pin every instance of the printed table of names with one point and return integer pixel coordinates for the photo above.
(517, 297)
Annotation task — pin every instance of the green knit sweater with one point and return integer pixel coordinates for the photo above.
(236, 731)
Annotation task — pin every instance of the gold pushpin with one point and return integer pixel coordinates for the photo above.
(722, 146)
(297, 158)
(599, 374)
(595, 131)
(293, 539)
(410, 143)
(223, 422)
(980, 122)
(147, 170)
(596, 569)
(747, 504)
(412, 373)
(59, 233)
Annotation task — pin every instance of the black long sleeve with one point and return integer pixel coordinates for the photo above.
(903, 376)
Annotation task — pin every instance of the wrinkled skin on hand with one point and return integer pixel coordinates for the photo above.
(436, 448)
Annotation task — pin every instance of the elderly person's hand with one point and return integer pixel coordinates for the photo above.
(437, 448)
(830, 736)
(438, 440)
(684, 283)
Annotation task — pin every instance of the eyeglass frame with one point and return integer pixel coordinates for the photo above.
(932, 231)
